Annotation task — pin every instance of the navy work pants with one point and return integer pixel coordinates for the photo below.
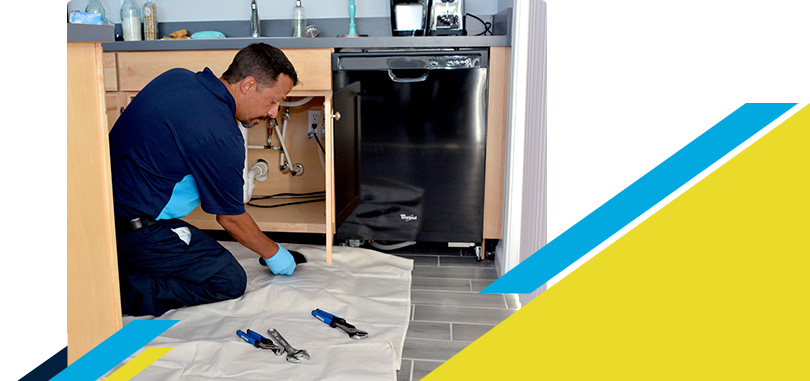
(160, 271)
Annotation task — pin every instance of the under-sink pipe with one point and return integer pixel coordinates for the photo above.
(394, 246)
(285, 161)
(297, 103)
(285, 118)
(258, 172)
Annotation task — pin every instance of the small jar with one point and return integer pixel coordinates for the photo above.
(95, 6)
(150, 28)
(131, 20)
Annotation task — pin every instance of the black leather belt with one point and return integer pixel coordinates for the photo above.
(128, 225)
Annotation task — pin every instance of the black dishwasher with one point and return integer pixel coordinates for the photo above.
(423, 144)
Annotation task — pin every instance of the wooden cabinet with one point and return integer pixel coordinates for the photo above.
(93, 304)
(133, 70)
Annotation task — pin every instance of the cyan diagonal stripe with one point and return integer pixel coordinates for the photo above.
(114, 350)
(637, 198)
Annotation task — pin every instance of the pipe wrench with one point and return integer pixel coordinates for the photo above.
(338, 322)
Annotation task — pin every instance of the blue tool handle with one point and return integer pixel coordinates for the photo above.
(322, 316)
(247, 338)
(326, 317)
(258, 337)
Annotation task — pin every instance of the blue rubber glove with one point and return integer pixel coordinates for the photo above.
(282, 263)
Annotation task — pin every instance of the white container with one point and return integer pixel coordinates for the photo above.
(409, 16)
(132, 28)
(131, 20)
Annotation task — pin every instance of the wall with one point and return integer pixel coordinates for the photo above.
(213, 10)
(525, 201)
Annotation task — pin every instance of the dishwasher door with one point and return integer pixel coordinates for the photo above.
(423, 144)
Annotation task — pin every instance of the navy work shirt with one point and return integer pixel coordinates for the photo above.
(176, 146)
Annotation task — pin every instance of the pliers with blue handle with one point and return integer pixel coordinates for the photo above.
(338, 322)
(259, 341)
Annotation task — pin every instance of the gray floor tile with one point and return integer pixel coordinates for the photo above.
(436, 350)
(464, 262)
(447, 312)
(478, 285)
(423, 368)
(439, 284)
(458, 299)
(469, 332)
(428, 330)
(461, 314)
(512, 301)
(455, 272)
(421, 260)
(404, 372)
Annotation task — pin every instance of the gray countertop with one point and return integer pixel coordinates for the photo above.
(89, 33)
(105, 34)
(378, 29)
(318, 42)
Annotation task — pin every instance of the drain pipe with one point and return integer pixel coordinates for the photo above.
(258, 172)
(284, 163)
(297, 103)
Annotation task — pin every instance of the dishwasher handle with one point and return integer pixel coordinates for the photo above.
(394, 77)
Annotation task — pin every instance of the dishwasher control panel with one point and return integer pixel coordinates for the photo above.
(459, 61)
(471, 59)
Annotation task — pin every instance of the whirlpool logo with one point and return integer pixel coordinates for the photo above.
(410, 217)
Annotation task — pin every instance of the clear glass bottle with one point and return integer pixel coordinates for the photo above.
(131, 20)
(299, 20)
(95, 6)
(150, 27)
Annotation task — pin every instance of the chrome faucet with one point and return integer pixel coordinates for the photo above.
(255, 28)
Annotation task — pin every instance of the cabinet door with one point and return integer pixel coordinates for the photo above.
(347, 151)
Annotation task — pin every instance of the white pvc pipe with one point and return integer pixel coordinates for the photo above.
(282, 137)
(297, 103)
(258, 170)
(283, 147)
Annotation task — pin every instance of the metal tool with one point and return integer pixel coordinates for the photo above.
(260, 341)
(338, 322)
(293, 355)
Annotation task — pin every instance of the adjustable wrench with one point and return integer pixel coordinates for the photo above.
(293, 355)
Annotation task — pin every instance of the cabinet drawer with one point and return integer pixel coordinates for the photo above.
(136, 69)
(110, 71)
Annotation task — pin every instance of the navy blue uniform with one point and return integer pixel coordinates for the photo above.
(176, 146)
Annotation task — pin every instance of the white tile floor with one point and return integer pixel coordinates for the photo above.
(447, 312)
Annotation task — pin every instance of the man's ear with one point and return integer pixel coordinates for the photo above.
(246, 84)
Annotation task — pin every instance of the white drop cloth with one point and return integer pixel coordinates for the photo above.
(371, 290)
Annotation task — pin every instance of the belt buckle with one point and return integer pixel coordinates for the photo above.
(136, 223)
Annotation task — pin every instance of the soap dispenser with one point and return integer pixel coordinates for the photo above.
(299, 20)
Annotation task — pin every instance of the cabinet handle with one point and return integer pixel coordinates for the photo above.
(122, 108)
(336, 116)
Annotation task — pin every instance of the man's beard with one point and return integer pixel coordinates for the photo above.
(253, 122)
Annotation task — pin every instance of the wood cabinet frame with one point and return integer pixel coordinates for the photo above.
(101, 84)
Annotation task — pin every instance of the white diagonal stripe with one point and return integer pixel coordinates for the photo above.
(678, 134)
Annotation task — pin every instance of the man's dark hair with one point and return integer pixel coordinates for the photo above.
(260, 61)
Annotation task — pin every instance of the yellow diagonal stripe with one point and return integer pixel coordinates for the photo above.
(137, 364)
(714, 286)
